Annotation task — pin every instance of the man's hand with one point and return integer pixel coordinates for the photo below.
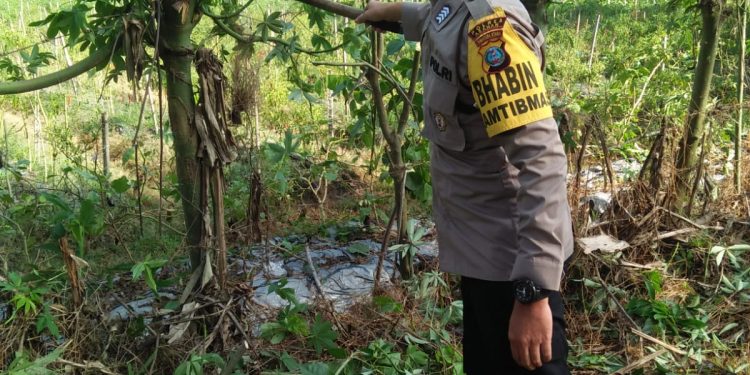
(376, 11)
(530, 334)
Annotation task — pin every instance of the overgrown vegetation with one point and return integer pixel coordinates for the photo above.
(78, 240)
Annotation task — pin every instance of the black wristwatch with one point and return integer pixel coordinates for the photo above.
(526, 291)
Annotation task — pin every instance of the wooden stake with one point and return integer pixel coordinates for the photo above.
(7, 153)
(593, 43)
(72, 268)
(217, 190)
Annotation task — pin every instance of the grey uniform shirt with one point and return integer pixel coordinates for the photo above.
(500, 203)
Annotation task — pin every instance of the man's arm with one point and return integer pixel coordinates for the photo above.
(544, 218)
(411, 16)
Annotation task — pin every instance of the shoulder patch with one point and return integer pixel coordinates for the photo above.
(443, 14)
(505, 75)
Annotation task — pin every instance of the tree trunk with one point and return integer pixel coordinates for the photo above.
(393, 138)
(687, 157)
(176, 52)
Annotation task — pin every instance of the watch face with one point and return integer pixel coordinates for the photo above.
(525, 291)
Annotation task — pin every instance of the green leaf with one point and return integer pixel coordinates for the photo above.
(297, 325)
(739, 247)
(316, 17)
(55, 200)
(319, 42)
(728, 328)
(358, 249)
(150, 281)
(128, 155)
(89, 216)
(46, 321)
(591, 283)
(394, 46)
(387, 304)
(286, 294)
(288, 361)
(213, 358)
(277, 338)
(417, 357)
(137, 270)
(322, 336)
(719, 251)
(413, 231)
(653, 283)
(121, 185)
(316, 368)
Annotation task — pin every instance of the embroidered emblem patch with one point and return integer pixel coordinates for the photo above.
(443, 14)
(496, 58)
(488, 38)
(440, 121)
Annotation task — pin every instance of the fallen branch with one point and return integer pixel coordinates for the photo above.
(673, 233)
(616, 301)
(683, 218)
(656, 341)
(679, 351)
(86, 365)
(319, 287)
(639, 363)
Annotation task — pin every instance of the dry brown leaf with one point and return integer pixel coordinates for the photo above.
(177, 331)
(182, 7)
(603, 242)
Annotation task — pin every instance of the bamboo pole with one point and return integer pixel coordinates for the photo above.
(740, 97)
(7, 153)
(593, 42)
(21, 21)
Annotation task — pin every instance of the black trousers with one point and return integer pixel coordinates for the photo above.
(487, 309)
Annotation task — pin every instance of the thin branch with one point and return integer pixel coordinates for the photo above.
(412, 90)
(207, 12)
(319, 286)
(640, 363)
(18, 87)
(683, 218)
(656, 341)
(336, 8)
(383, 74)
(617, 302)
(23, 234)
(19, 49)
(638, 101)
(252, 39)
(674, 233)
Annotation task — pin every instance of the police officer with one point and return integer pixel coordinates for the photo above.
(498, 171)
